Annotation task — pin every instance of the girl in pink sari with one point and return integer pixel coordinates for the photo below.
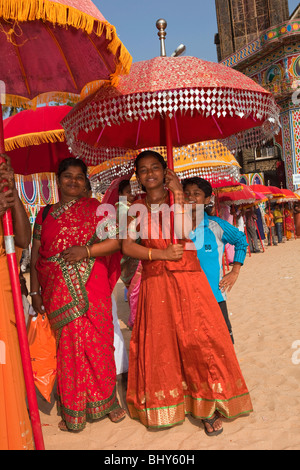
(77, 299)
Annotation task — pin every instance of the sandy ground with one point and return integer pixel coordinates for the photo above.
(265, 314)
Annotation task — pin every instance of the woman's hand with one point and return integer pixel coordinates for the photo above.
(74, 254)
(174, 252)
(7, 175)
(172, 181)
(37, 304)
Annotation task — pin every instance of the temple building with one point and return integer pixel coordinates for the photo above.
(261, 39)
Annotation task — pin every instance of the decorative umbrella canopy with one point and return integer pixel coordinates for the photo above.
(289, 196)
(261, 188)
(35, 140)
(276, 192)
(210, 160)
(56, 48)
(242, 196)
(202, 101)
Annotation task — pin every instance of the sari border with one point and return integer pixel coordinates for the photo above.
(199, 408)
(76, 419)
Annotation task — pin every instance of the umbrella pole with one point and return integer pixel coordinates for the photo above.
(20, 317)
(170, 163)
(246, 233)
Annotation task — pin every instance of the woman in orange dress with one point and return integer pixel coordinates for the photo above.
(15, 427)
(181, 358)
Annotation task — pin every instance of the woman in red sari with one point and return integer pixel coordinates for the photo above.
(77, 300)
(181, 358)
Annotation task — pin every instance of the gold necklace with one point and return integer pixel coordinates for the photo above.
(157, 204)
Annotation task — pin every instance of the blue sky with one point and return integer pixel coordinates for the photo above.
(190, 22)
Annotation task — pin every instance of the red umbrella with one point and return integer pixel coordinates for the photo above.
(261, 188)
(276, 192)
(35, 140)
(288, 195)
(244, 195)
(52, 48)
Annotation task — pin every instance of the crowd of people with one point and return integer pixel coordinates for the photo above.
(270, 224)
(182, 358)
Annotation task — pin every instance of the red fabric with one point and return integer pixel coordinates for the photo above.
(43, 119)
(261, 188)
(239, 196)
(54, 58)
(181, 356)
(111, 195)
(77, 300)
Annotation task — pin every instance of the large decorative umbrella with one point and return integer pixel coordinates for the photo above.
(35, 140)
(52, 48)
(242, 196)
(171, 101)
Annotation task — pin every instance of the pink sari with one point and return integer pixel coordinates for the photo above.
(77, 299)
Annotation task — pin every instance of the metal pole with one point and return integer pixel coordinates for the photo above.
(161, 25)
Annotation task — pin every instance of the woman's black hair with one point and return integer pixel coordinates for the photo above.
(71, 161)
(123, 185)
(146, 153)
(202, 184)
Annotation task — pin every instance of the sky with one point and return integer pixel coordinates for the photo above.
(189, 22)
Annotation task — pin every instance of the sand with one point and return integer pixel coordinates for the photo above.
(265, 314)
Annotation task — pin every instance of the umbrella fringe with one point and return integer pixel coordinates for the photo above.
(17, 101)
(65, 15)
(26, 140)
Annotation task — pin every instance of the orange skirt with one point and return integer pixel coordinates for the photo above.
(182, 359)
(15, 427)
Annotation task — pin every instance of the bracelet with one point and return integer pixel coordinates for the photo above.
(150, 254)
(175, 213)
(34, 293)
(88, 251)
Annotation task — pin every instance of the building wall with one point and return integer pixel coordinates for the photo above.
(241, 21)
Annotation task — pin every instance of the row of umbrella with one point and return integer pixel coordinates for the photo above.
(256, 194)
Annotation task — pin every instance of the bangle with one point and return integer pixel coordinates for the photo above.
(175, 213)
(33, 293)
(88, 251)
(150, 254)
